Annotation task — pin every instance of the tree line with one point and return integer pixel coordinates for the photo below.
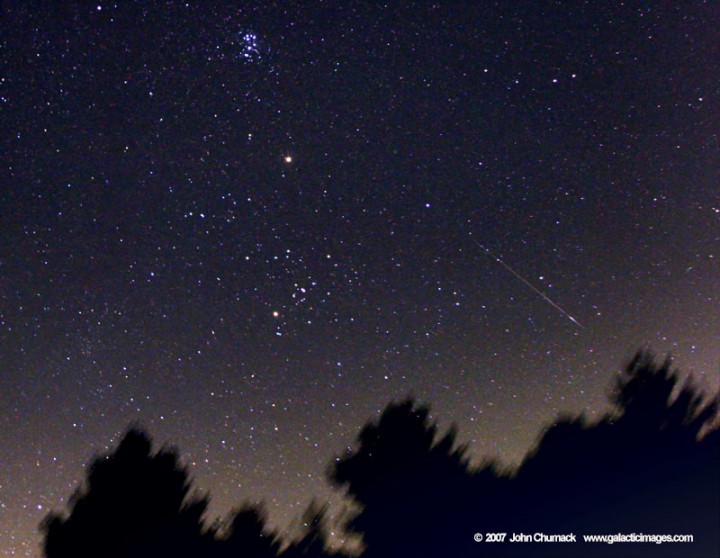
(650, 466)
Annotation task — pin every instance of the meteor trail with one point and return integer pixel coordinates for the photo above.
(545, 297)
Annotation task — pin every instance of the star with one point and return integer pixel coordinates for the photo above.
(284, 193)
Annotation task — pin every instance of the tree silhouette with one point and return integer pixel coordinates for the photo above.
(644, 398)
(134, 503)
(645, 468)
(403, 479)
(246, 535)
(313, 540)
(649, 467)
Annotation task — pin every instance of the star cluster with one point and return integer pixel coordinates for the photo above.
(251, 227)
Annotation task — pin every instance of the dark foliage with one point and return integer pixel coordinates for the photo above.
(134, 503)
(247, 536)
(652, 466)
(313, 540)
(139, 504)
(398, 469)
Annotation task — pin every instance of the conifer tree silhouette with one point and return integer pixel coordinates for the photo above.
(134, 503)
(646, 468)
(404, 480)
(651, 466)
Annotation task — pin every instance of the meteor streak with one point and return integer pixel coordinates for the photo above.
(545, 297)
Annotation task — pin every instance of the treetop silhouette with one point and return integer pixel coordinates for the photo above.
(134, 503)
(650, 466)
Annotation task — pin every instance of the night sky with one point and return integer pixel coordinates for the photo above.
(249, 228)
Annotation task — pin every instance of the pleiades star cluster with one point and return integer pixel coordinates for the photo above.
(248, 226)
